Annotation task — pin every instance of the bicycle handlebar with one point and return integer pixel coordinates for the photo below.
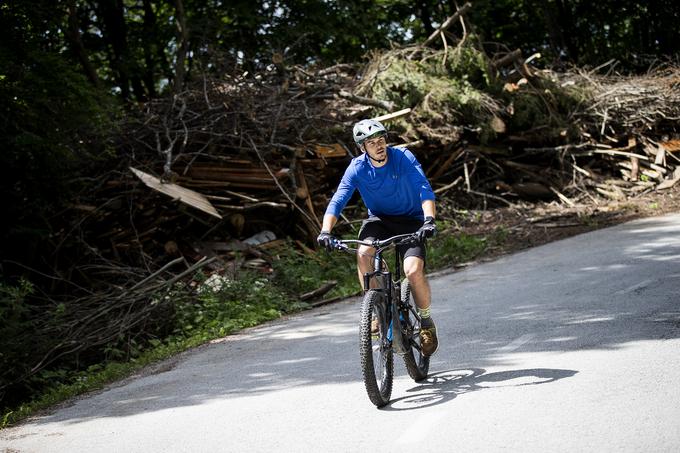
(342, 244)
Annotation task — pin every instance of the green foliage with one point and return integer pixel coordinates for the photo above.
(444, 88)
(298, 273)
(54, 127)
(499, 236)
(224, 306)
(16, 324)
(457, 87)
(403, 82)
(216, 307)
(545, 108)
(132, 45)
(449, 249)
(582, 32)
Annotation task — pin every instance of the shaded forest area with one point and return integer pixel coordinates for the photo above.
(145, 141)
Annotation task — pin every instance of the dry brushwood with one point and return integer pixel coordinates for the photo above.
(117, 314)
(272, 145)
(267, 149)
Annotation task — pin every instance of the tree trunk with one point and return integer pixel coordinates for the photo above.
(149, 64)
(567, 29)
(664, 22)
(73, 35)
(425, 17)
(115, 33)
(182, 45)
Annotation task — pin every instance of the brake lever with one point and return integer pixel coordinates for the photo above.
(337, 245)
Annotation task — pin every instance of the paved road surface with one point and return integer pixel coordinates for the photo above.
(572, 346)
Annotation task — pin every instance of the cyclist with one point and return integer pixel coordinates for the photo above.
(400, 200)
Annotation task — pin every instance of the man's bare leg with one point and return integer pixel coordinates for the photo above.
(414, 268)
(365, 263)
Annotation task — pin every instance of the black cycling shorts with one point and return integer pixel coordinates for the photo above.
(383, 227)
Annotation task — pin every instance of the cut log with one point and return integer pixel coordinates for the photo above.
(304, 189)
(327, 151)
(635, 168)
(386, 105)
(391, 116)
(671, 146)
(667, 184)
(323, 289)
(508, 59)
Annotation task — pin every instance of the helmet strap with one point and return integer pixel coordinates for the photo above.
(380, 161)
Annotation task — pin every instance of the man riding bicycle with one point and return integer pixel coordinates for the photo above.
(400, 200)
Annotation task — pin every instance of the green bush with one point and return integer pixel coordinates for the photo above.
(455, 89)
(448, 249)
(299, 273)
(224, 305)
(16, 328)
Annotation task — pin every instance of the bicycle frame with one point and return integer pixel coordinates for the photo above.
(386, 284)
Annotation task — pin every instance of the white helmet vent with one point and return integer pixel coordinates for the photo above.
(365, 129)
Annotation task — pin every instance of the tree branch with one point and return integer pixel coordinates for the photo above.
(447, 23)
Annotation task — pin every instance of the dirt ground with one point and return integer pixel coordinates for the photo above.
(524, 225)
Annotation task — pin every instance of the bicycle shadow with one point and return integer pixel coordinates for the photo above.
(444, 386)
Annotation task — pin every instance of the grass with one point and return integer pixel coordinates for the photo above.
(221, 306)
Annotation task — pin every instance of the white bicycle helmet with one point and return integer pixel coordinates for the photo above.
(366, 129)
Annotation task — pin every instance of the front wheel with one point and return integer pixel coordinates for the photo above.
(377, 363)
(416, 363)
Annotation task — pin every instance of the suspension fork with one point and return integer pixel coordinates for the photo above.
(401, 346)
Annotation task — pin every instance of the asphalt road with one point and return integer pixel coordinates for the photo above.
(572, 346)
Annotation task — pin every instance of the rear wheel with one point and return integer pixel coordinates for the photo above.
(416, 363)
(377, 363)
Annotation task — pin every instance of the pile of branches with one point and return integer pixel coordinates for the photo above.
(266, 151)
(638, 105)
(627, 134)
(237, 115)
(73, 332)
(250, 142)
(107, 283)
(499, 130)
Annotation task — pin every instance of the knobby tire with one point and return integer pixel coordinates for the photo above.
(378, 387)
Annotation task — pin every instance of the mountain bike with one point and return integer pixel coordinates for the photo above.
(389, 321)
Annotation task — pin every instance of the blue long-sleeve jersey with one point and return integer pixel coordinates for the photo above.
(396, 189)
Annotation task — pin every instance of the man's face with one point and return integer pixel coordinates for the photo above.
(376, 147)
